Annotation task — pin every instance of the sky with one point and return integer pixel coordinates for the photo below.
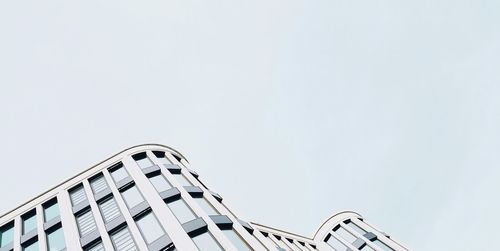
(291, 110)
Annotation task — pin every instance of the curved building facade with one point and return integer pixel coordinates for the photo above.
(147, 198)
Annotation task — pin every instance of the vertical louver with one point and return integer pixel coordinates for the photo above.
(99, 184)
(86, 223)
(122, 240)
(78, 195)
(109, 210)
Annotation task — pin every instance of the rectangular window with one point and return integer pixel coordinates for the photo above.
(206, 206)
(142, 160)
(109, 209)
(334, 243)
(356, 228)
(345, 235)
(181, 211)
(77, 195)
(236, 239)
(160, 183)
(98, 184)
(122, 240)
(86, 223)
(50, 210)
(182, 180)
(29, 221)
(382, 245)
(151, 230)
(32, 246)
(6, 234)
(206, 241)
(55, 240)
(132, 197)
(119, 173)
(162, 158)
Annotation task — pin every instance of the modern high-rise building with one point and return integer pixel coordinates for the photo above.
(147, 198)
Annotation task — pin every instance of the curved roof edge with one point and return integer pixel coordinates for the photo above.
(99, 163)
(326, 224)
(335, 218)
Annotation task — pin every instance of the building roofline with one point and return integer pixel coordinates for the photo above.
(330, 218)
(317, 229)
(93, 166)
(279, 230)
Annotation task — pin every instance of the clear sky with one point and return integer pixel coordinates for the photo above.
(291, 110)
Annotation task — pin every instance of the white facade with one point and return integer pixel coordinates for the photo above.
(147, 198)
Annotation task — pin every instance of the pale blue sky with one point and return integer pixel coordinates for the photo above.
(387, 108)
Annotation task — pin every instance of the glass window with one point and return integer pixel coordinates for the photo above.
(98, 184)
(206, 206)
(345, 235)
(144, 162)
(6, 234)
(50, 210)
(109, 209)
(182, 180)
(382, 245)
(206, 242)
(29, 222)
(86, 223)
(161, 157)
(122, 240)
(356, 228)
(132, 197)
(181, 211)
(77, 195)
(31, 247)
(236, 239)
(334, 243)
(119, 174)
(160, 183)
(55, 240)
(150, 228)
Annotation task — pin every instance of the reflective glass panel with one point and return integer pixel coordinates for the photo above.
(55, 240)
(346, 235)
(144, 163)
(382, 245)
(6, 234)
(160, 183)
(356, 228)
(236, 240)
(31, 247)
(182, 180)
(334, 243)
(206, 242)
(150, 228)
(29, 222)
(206, 206)
(132, 197)
(181, 211)
(119, 174)
(51, 211)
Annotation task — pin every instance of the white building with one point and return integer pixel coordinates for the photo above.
(147, 198)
